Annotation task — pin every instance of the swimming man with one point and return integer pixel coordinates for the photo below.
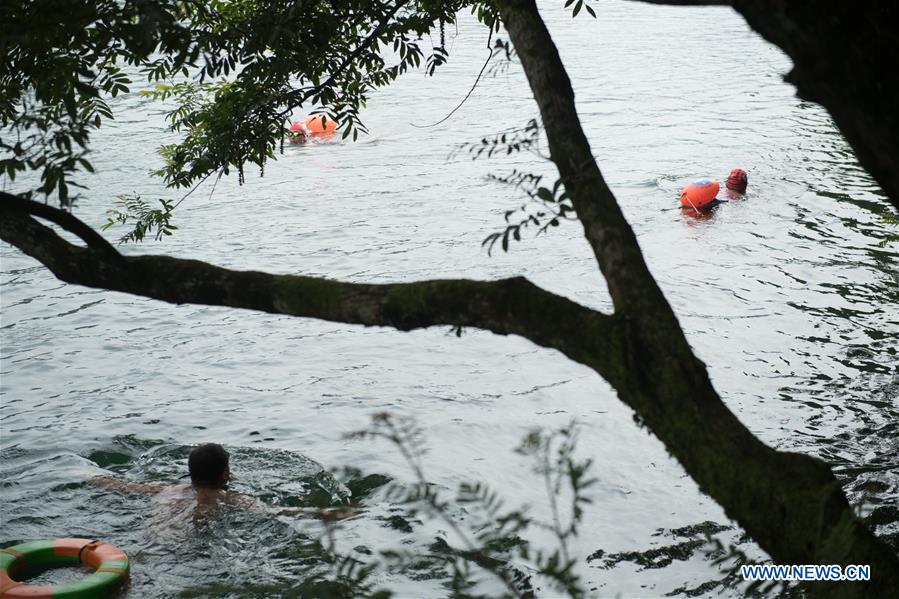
(209, 471)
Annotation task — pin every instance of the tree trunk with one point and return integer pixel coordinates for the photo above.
(846, 58)
(789, 503)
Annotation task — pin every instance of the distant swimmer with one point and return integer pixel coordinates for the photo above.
(737, 181)
(702, 194)
(317, 126)
(297, 133)
(209, 472)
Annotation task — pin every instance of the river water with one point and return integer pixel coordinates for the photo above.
(788, 295)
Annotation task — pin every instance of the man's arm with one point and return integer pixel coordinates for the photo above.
(336, 513)
(116, 484)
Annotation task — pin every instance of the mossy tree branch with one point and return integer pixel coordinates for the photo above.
(513, 306)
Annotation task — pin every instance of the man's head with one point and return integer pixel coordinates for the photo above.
(737, 180)
(208, 465)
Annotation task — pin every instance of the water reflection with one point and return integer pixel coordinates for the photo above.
(703, 214)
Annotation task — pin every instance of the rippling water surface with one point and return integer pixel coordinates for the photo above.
(789, 296)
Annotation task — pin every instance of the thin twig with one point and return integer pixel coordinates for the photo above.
(471, 91)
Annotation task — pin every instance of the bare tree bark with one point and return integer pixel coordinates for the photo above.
(790, 504)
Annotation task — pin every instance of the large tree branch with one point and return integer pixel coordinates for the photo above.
(512, 306)
(66, 220)
(789, 503)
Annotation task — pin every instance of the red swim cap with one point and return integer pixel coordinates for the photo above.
(297, 127)
(737, 180)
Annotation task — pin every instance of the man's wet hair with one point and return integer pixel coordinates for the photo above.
(207, 463)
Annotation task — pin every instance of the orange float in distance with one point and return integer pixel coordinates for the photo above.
(316, 126)
(699, 194)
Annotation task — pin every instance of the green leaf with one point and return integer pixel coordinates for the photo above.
(545, 195)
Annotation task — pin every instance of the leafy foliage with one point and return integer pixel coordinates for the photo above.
(509, 141)
(546, 206)
(890, 219)
(62, 61)
(731, 558)
(492, 539)
(131, 209)
(564, 476)
(552, 206)
(507, 57)
(578, 5)
(235, 70)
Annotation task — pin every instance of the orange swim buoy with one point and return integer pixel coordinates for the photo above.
(318, 124)
(700, 193)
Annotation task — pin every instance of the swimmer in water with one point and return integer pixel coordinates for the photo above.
(735, 188)
(736, 182)
(297, 133)
(209, 472)
(700, 197)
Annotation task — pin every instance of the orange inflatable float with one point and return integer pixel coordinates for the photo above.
(319, 124)
(699, 194)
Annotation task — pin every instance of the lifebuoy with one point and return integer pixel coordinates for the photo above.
(699, 193)
(109, 562)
